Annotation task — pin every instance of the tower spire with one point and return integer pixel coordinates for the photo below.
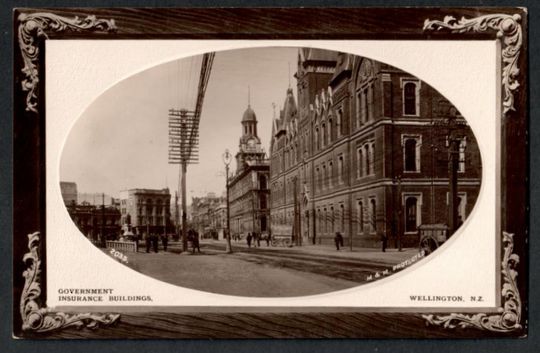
(249, 97)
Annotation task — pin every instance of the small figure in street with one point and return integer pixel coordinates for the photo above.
(338, 239)
(248, 238)
(155, 243)
(164, 241)
(257, 239)
(148, 242)
(268, 239)
(195, 242)
(384, 242)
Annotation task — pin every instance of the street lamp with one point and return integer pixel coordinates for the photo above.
(227, 158)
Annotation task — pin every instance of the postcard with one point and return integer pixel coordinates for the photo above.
(270, 179)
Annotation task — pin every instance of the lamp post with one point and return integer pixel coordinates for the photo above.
(227, 158)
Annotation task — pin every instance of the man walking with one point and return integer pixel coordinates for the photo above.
(338, 239)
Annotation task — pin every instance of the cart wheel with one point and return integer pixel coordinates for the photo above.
(428, 244)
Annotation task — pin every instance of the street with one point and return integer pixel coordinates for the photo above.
(265, 271)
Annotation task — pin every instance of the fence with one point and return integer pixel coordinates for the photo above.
(126, 246)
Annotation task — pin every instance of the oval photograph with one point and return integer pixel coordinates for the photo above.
(270, 172)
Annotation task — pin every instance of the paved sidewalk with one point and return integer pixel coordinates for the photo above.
(390, 257)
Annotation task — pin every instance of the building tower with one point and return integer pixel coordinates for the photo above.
(250, 150)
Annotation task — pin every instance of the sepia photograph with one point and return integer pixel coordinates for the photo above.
(360, 176)
(281, 171)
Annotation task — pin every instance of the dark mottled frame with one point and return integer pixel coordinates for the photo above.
(32, 27)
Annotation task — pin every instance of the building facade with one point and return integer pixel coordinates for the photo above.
(248, 187)
(203, 211)
(96, 221)
(69, 192)
(365, 152)
(146, 211)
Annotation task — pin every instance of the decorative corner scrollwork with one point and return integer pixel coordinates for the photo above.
(508, 318)
(40, 319)
(35, 25)
(508, 29)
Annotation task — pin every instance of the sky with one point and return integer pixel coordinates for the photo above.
(121, 141)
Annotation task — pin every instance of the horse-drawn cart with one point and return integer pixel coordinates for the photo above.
(432, 236)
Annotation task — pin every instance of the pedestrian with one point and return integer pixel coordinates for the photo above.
(190, 237)
(164, 241)
(148, 242)
(155, 243)
(196, 242)
(268, 239)
(257, 239)
(338, 239)
(384, 242)
(248, 238)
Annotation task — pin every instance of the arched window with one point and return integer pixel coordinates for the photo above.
(367, 160)
(316, 136)
(409, 98)
(372, 157)
(332, 220)
(411, 214)
(360, 217)
(410, 155)
(341, 174)
(339, 122)
(360, 162)
(330, 131)
(373, 205)
(323, 132)
(330, 173)
(325, 221)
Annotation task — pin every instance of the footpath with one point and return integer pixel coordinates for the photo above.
(376, 255)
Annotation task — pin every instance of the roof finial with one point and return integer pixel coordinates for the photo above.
(274, 108)
(249, 97)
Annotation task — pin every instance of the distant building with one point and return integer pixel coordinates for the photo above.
(218, 221)
(97, 223)
(365, 152)
(248, 187)
(95, 198)
(203, 213)
(69, 192)
(146, 211)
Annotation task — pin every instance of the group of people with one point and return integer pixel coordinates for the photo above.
(193, 239)
(152, 242)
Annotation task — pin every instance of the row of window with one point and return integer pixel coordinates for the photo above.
(152, 221)
(325, 175)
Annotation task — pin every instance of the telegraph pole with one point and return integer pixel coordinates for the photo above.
(184, 137)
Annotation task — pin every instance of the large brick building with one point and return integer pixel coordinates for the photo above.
(365, 152)
(248, 187)
(146, 211)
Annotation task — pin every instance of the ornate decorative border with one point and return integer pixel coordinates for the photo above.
(40, 319)
(508, 318)
(35, 317)
(33, 26)
(508, 30)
